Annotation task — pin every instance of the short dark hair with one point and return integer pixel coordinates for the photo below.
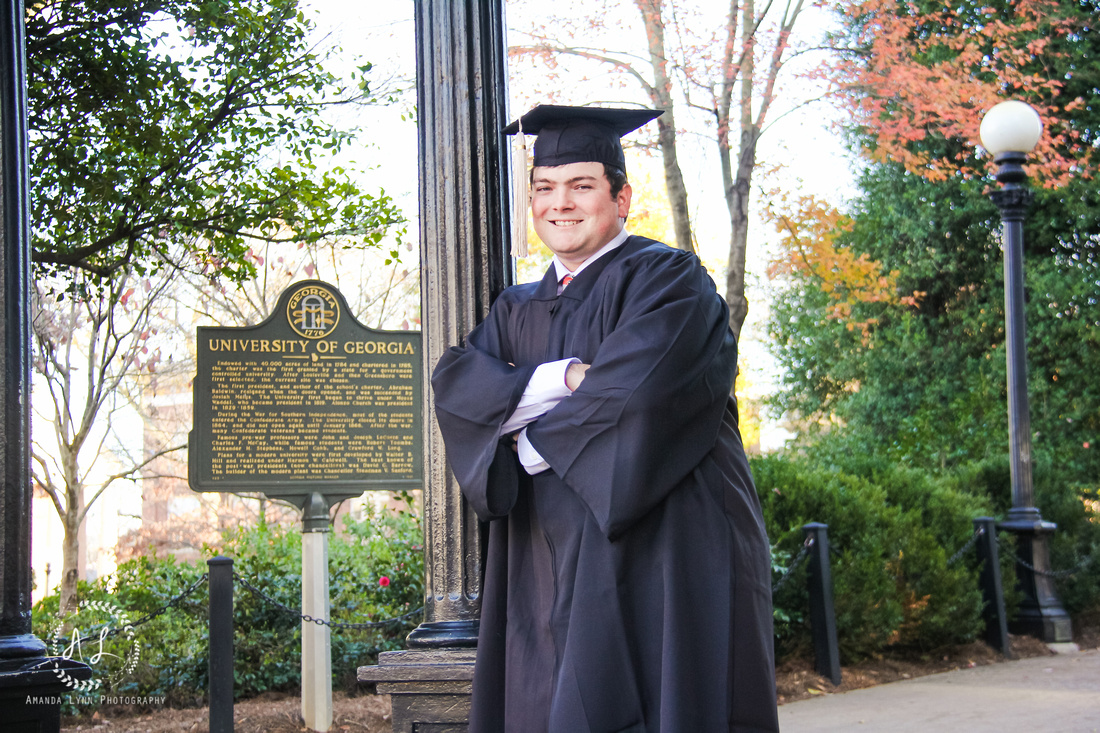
(617, 179)
(615, 176)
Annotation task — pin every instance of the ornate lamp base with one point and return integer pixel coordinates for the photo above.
(429, 689)
(1040, 614)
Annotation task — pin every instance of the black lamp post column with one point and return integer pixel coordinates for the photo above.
(461, 96)
(1013, 200)
(16, 639)
(464, 265)
(29, 686)
(1041, 613)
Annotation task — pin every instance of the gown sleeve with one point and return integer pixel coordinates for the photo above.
(476, 390)
(651, 406)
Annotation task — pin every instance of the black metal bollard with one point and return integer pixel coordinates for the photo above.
(221, 644)
(822, 613)
(993, 607)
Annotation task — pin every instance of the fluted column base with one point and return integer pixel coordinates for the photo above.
(429, 689)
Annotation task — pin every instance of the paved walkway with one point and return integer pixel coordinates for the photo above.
(1059, 694)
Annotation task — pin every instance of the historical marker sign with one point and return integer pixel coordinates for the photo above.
(308, 401)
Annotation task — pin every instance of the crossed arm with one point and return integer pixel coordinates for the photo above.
(550, 384)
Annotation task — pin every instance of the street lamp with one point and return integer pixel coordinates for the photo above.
(1009, 132)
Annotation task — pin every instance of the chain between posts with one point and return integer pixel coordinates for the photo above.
(149, 616)
(969, 543)
(176, 601)
(335, 625)
(1055, 574)
(1081, 562)
(798, 560)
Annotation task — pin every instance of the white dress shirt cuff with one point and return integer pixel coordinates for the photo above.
(544, 391)
(529, 458)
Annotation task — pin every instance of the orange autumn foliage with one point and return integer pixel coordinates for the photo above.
(922, 74)
(809, 229)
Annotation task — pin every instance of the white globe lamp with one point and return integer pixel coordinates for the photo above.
(1011, 127)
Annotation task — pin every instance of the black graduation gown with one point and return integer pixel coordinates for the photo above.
(629, 587)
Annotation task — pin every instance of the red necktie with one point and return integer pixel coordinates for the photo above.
(566, 280)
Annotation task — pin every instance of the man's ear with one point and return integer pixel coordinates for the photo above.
(624, 201)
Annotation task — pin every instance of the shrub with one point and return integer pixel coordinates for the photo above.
(267, 640)
(892, 531)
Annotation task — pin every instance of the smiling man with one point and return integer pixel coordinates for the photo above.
(576, 213)
(588, 421)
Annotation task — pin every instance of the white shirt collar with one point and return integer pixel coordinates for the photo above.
(561, 270)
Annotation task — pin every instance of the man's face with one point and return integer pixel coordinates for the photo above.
(574, 214)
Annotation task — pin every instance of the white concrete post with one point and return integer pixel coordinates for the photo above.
(316, 638)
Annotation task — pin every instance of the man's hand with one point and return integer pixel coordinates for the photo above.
(574, 375)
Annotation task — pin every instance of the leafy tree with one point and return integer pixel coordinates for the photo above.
(917, 78)
(809, 229)
(925, 383)
(88, 352)
(166, 136)
(725, 65)
(182, 132)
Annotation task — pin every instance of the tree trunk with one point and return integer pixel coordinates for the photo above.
(674, 182)
(660, 95)
(72, 521)
(70, 566)
(738, 202)
(738, 183)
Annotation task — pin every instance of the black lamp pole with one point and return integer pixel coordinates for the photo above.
(30, 682)
(1013, 200)
(1041, 613)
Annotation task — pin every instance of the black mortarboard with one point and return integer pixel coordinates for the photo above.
(580, 134)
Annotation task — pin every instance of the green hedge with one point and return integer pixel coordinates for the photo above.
(267, 641)
(894, 530)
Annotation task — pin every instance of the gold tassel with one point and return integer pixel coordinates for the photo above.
(520, 194)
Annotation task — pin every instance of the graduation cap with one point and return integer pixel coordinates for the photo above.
(580, 134)
(568, 135)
